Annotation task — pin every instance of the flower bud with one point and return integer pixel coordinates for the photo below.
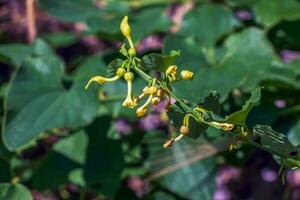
(125, 28)
(132, 51)
(152, 90)
(169, 143)
(184, 130)
(146, 90)
(172, 69)
(160, 93)
(120, 71)
(140, 112)
(186, 75)
(155, 100)
(128, 76)
(99, 79)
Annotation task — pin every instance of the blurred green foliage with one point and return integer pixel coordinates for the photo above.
(45, 97)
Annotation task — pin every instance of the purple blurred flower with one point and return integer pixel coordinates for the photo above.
(243, 15)
(289, 56)
(226, 174)
(139, 186)
(293, 178)
(123, 127)
(150, 42)
(280, 103)
(221, 193)
(40, 196)
(176, 12)
(268, 175)
(150, 122)
(296, 194)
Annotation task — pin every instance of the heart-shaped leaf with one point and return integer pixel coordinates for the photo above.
(14, 192)
(39, 97)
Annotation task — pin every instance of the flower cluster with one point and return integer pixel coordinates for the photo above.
(152, 91)
(156, 90)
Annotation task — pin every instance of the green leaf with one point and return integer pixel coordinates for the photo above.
(60, 39)
(158, 62)
(5, 172)
(38, 100)
(53, 171)
(149, 21)
(208, 23)
(275, 141)
(70, 10)
(240, 117)
(210, 103)
(73, 147)
(113, 66)
(104, 161)
(14, 192)
(227, 73)
(14, 53)
(294, 135)
(186, 169)
(143, 23)
(241, 2)
(271, 12)
(76, 177)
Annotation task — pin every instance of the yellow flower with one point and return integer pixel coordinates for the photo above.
(129, 101)
(100, 80)
(171, 73)
(140, 112)
(152, 90)
(155, 100)
(126, 31)
(125, 28)
(186, 75)
(143, 109)
(160, 93)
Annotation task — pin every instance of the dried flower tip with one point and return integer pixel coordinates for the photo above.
(224, 126)
(120, 72)
(155, 100)
(152, 90)
(160, 93)
(140, 112)
(128, 76)
(125, 28)
(186, 75)
(99, 79)
(169, 143)
(227, 126)
(172, 70)
(184, 130)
